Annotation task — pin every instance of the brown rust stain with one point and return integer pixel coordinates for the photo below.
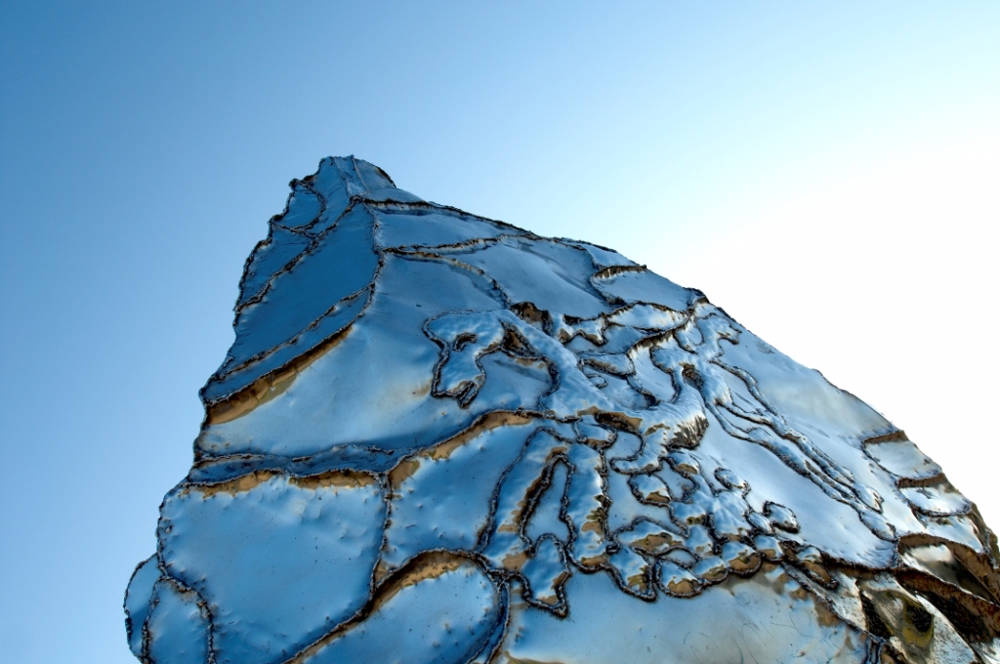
(825, 615)
(657, 498)
(777, 581)
(331, 479)
(683, 587)
(818, 572)
(382, 571)
(905, 617)
(484, 423)
(527, 311)
(980, 565)
(270, 385)
(403, 471)
(893, 437)
(530, 362)
(617, 420)
(429, 565)
(917, 482)
(615, 270)
(595, 560)
(549, 600)
(237, 485)
(654, 543)
(746, 566)
(280, 382)
(443, 450)
(974, 614)
(515, 561)
(638, 581)
(351, 479)
(235, 406)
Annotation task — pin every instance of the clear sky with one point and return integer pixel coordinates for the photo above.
(829, 173)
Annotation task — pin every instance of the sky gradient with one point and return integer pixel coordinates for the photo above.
(826, 173)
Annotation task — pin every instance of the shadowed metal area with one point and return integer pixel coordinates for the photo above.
(441, 438)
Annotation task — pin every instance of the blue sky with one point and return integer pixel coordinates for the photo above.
(825, 171)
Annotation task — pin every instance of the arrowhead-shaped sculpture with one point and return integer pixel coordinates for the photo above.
(441, 438)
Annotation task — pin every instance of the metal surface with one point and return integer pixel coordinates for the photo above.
(441, 438)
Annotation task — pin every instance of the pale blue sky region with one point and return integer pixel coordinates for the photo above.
(827, 172)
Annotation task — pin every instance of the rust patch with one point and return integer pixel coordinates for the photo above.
(268, 386)
(351, 479)
(902, 616)
(527, 311)
(429, 565)
(237, 485)
(403, 471)
(973, 615)
(516, 660)
(825, 615)
(615, 270)
(747, 565)
(916, 482)
(484, 423)
(981, 566)
(515, 561)
(638, 581)
(443, 450)
(280, 382)
(777, 581)
(551, 600)
(683, 587)
(594, 561)
(334, 478)
(894, 437)
(615, 420)
(382, 571)
(237, 405)
(653, 544)
(656, 499)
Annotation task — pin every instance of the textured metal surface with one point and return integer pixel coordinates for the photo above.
(441, 438)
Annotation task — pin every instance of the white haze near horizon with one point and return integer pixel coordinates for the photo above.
(886, 280)
(826, 172)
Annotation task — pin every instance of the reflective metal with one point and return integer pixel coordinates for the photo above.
(441, 438)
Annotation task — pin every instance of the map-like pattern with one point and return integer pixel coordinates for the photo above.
(441, 438)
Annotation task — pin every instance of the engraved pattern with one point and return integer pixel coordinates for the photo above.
(438, 437)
